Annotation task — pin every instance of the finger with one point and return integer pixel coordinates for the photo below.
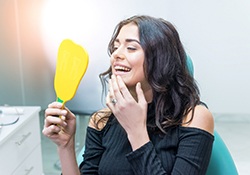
(116, 89)
(55, 104)
(123, 89)
(51, 120)
(108, 98)
(66, 114)
(111, 91)
(52, 129)
(55, 112)
(111, 99)
(109, 103)
(140, 94)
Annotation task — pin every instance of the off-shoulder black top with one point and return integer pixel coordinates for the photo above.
(183, 150)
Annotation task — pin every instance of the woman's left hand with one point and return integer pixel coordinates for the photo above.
(131, 114)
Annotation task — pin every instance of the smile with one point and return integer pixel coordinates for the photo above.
(122, 68)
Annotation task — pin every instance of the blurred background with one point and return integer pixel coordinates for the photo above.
(214, 33)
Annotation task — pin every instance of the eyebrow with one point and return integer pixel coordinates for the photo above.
(129, 40)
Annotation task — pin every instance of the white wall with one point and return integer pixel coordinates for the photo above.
(24, 75)
(215, 34)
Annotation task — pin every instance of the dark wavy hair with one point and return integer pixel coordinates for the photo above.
(175, 92)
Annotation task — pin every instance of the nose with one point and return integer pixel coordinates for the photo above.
(118, 54)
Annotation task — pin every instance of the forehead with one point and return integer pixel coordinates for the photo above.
(129, 31)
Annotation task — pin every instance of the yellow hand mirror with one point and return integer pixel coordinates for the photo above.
(72, 63)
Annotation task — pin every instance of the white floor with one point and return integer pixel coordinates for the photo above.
(234, 130)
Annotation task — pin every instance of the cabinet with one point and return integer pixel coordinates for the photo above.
(20, 144)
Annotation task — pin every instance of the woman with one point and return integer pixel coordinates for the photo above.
(154, 123)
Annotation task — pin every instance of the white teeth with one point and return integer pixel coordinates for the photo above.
(122, 68)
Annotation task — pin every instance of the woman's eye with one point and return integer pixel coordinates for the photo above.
(131, 48)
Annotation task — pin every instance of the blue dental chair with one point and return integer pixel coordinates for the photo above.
(221, 161)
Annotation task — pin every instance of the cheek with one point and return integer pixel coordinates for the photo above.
(138, 60)
(139, 65)
(111, 59)
(140, 72)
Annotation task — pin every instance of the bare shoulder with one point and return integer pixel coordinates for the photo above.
(202, 119)
(99, 119)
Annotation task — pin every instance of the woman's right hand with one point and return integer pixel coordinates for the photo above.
(61, 130)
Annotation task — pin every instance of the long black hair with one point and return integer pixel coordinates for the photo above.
(175, 92)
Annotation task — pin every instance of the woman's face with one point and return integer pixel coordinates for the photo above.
(128, 57)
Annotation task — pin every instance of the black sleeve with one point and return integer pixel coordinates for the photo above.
(193, 155)
(93, 152)
(145, 161)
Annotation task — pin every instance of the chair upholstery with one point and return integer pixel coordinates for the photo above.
(190, 65)
(79, 157)
(221, 161)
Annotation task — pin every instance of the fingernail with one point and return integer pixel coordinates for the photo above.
(139, 84)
